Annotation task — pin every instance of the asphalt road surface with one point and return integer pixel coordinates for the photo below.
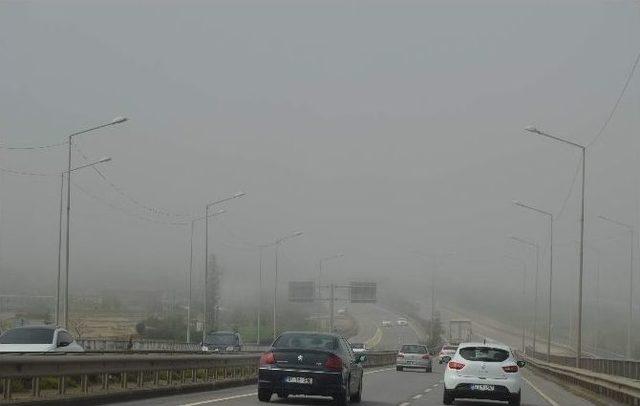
(382, 387)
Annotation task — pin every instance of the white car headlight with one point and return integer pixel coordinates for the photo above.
(205, 348)
(230, 348)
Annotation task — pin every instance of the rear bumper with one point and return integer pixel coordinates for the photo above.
(324, 383)
(454, 382)
(420, 363)
(463, 391)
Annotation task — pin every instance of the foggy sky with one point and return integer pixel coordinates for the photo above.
(376, 128)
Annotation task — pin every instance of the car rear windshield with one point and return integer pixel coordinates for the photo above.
(27, 336)
(414, 349)
(307, 341)
(222, 339)
(485, 354)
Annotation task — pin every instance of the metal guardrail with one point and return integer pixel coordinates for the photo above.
(619, 388)
(105, 345)
(41, 378)
(615, 367)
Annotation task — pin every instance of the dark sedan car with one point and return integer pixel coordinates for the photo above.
(307, 363)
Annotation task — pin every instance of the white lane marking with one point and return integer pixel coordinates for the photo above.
(377, 371)
(204, 402)
(416, 397)
(435, 385)
(427, 390)
(544, 395)
(404, 404)
(246, 395)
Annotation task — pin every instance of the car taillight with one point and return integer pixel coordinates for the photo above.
(267, 359)
(400, 355)
(426, 356)
(455, 365)
(510, 368)
(333, 363)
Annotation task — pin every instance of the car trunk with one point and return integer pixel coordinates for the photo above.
(412, 358)
(481, 369)
(301, 358)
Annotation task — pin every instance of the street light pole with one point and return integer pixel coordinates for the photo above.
(275, 288)
(630, 310)
(115, 121)
(549, 316)
(583, 150)
(535, 289)
(189, 301)
(331, 307)
(206, 258)
(524, 292)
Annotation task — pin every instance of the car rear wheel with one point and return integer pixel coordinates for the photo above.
(447, 397)
(264, 395)
(357, 397)
(342, 399)
(399, 369)
(515, 399)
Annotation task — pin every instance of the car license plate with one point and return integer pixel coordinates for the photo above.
(298, 379)
(483, 388)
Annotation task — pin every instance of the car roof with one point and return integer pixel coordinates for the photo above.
(319, 333)
(491, 345)
(44, 326)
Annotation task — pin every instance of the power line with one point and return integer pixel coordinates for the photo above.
(617, 103)
(26, 173)
(36, 147)
(119, 190)
(123, 210)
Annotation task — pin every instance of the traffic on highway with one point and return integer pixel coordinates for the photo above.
(387, 202)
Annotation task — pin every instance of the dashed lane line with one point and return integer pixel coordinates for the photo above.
(217, 400)
(544, 395)
(404, 404)
(435, 385)
(427, 390)
(246, 395)
(416, 397)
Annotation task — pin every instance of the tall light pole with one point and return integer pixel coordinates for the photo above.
(331, 305)
(550, 216)
(275, 289)
(630, 310)
(115, 121)
(206, 257)
(524, 292)
(583, 150)
(58, 295)
(436, 259)
(193, 221)
(535, 289)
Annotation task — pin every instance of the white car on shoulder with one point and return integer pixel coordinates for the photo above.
(483, 371)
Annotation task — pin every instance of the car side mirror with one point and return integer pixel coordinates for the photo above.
(361, 358)
(63, 344)
(521, 364)
(446, 358)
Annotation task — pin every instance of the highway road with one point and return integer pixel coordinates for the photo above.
(382, 386)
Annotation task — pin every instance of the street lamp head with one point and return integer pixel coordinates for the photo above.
(239, 194)
(221, 211)
(532, 129)
(517, 202)
(119, 120)
(105, 159)
(297, 234)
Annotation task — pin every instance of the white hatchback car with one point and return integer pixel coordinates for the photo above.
(38, 339)
(483, 371)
